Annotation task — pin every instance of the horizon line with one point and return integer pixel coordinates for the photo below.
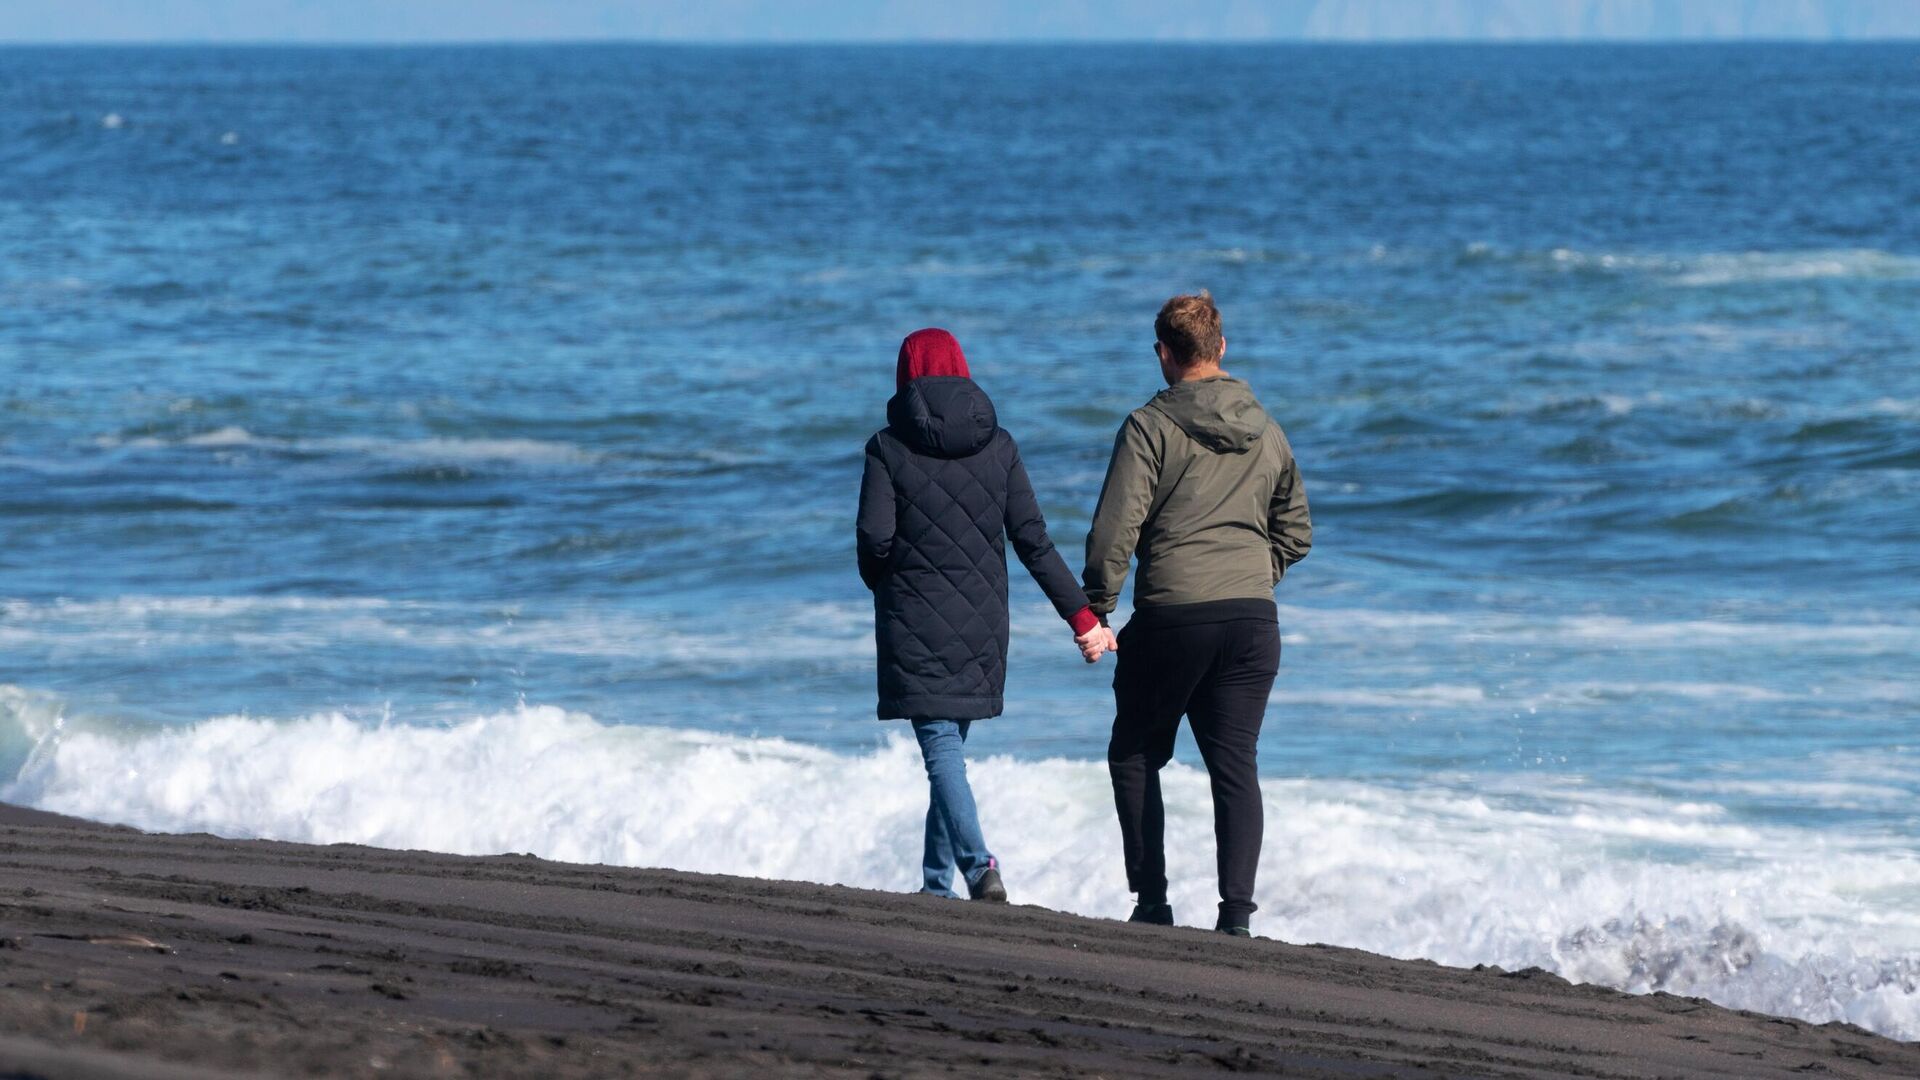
(343, 42)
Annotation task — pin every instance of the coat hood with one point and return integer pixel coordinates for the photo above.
(943, 416)
(1220, 414)
(932, 351)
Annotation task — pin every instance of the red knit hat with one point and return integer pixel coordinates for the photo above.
(929, 352)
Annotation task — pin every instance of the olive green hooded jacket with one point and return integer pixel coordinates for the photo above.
(1204, 489)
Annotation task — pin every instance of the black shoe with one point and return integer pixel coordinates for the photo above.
(988, 887)
(1152, 914)
(1235, 925)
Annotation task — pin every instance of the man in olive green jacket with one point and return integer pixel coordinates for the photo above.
(1204, 490)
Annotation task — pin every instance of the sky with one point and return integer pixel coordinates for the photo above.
(318, 21)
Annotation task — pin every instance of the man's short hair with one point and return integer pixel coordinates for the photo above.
(1189, 326)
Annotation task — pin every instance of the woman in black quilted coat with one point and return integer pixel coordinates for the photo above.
(943, 490)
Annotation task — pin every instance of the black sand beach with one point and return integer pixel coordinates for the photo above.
(124, 954)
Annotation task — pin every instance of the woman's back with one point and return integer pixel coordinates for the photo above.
(943, 491)
(942, 604)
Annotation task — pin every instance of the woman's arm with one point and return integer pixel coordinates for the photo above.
(875, 526)
(1028, 531)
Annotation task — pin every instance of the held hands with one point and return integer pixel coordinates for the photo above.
(1096, 643)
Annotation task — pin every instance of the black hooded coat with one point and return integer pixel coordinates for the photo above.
(943, 490)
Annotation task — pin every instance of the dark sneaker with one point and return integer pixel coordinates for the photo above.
(1235, 931)
(1152, 914)
(988, 887)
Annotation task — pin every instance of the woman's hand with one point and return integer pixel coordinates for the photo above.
(1096, 643)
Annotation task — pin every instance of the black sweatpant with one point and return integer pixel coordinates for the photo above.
(1214, 663)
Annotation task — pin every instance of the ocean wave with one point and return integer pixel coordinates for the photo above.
(1696, 269)
(1687, 269)
(1469, 696)
(825, 632)
(1372, 626)
(120, 608)
(1829, 794)
(1636, 892)
(1396, 698)
(1842, 418)
(1692, 691)
(840, 633)
(1771, 266)
(437, 450)
(1713, 269)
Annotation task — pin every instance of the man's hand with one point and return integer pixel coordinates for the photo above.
(1096, 643)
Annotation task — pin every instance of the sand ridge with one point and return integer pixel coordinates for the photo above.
(128, 954)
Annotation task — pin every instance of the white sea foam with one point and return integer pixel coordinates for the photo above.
(842, 620)
(1709, 269)
(120, 608)
(832, 633)
(1613, 631)
(1829, 794)
(839, 635)
(126, 625)
(1410, 697)
(1763, 266)
(1627, 890)
(1693, 691)
(526, 451)
(1907, 408)
(451, 451)
(226, 436)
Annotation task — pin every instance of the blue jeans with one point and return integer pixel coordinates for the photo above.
(953, 825)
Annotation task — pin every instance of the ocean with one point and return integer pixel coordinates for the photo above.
(457, 448)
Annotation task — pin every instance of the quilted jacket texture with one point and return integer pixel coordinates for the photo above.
(943, 490)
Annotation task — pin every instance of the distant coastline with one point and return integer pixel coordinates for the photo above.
(1342, 21)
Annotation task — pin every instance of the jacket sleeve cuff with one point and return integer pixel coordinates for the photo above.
(1083, 621)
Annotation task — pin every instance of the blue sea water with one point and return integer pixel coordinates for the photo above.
(457, 448)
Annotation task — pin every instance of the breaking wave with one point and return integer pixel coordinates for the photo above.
(1634, 891)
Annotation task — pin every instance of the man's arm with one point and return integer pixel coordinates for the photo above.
(1124, 500)
(875, 526)
(1289, 528)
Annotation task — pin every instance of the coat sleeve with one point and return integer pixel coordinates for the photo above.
(1028, 531)
(874, 530)
(1289, 528)
(1124, 501)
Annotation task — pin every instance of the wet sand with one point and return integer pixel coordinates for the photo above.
(124, 954)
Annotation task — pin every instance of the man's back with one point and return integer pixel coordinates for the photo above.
(1203, 488)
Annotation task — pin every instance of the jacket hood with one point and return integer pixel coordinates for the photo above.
(1220, 414)
(943, 415)
(932, 351)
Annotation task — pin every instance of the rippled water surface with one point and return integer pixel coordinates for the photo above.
(465, 397)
